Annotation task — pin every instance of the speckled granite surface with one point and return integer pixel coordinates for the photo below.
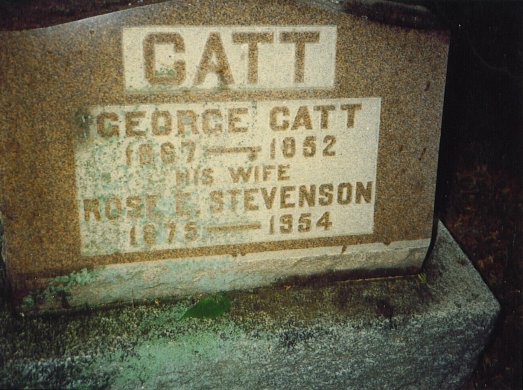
(50, 76)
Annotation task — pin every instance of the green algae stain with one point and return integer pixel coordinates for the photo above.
(82, 120)
(59, 288)
(66, 282)
(211, 307)
(164, 363)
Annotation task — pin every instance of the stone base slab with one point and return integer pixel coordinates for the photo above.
(177, 278)
(420, 332)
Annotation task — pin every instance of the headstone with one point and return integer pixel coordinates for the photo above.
(215, 145)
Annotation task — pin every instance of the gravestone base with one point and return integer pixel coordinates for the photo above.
(420, 332)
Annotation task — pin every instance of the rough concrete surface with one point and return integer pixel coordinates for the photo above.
(419, 332)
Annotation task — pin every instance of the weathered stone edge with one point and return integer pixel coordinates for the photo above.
(398, 13)
(130, 283)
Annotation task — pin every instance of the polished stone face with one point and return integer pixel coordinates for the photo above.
(169, 176)
(217, 145)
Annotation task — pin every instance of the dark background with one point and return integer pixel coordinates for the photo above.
(479, 195)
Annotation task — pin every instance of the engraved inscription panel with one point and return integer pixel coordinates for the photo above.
(184, 59)
(169, 176)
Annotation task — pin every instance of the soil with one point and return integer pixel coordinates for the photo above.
(479, 194)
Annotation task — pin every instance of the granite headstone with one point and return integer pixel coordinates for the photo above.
(195, 147)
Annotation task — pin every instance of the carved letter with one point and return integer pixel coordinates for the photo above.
(214, 47)
(300, 39)
(174, 75)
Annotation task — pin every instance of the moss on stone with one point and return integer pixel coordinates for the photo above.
(59, 288)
